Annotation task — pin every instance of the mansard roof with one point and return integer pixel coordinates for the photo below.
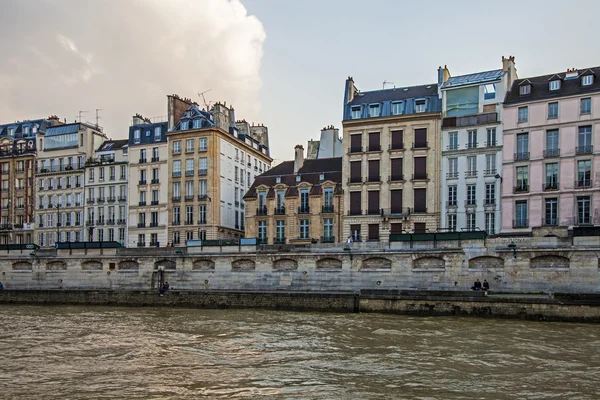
(473, 79)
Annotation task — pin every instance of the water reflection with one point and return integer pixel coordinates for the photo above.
(79, 352)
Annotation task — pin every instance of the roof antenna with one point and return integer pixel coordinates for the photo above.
(387, 83)
(206, 104)
(81, 112)
(97, 117)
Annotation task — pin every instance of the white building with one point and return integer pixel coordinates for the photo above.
(329, 144)
(472, 147)
(106, 210)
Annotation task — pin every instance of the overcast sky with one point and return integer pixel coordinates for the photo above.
(279, 62)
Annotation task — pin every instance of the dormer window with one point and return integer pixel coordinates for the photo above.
(322, 177)
(298, 178)
(489, 92)
(525, 90)
(278, 179)
(184, 125)
(197, 123)
(420, 106)
(555, 85)
(374, 110)
(356, 112)
(397, 107)
(587, 80)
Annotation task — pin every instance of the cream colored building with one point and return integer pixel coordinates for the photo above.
(148, 180)
(60, 181)
(213, 161)
(391, 161)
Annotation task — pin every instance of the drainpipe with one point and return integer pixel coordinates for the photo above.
(339, 219)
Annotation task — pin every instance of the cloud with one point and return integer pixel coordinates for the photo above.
(124, 57)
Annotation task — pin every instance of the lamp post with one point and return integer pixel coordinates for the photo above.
(513, 247)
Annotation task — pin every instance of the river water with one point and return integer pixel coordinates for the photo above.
(162, 353)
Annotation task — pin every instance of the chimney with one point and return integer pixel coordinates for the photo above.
(508, 64)
(350, 90)
(443, 74)
(138, 119)
(298, 158)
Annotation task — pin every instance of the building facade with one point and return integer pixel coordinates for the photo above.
(148, 178)
(297, 201)
(213, 161)
(106, 210)
(17, 172)
(551, 166)
(391, 158)
(62, 152)
(472, 147)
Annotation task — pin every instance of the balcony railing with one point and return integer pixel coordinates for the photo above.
(395, 212)
(520, 156)
(489, 201)
(355, 149)
(261, 211)
(374, 148)
(374, 211)
(521, 189)
(122, 199)
(327, 239)
(551, 153)
(584, 149)
(354, 212)
(490, 172)
(396, 178)
(100, 222)
(111, 199)
(154, 244)
(420, 145)
(189, 173)
(419, 177)
(491, 143)
(304, 210)
(141, 224)
(202, 172)
(421, 210)
(153, 224)
(142, 182)
(583, 219)
(202, 221)
(471, 145)
(327, 209)
(452, 175)
(355, 179)
(154, 181)
(583, 183)
(396, 147)
(121, 222)
(154, 203)
(176, 223)
(279, 240)
(374, 178)
(453, 146)
(142, 203)
(471, 174)
(176, 174)
(550, 221)
(550, 186)
(451, 204)
(202, 197)
(520, 223)
(176, 198)
(142, 161)
(141, 244)
(155, 159)
(470, 120)
(279, 210)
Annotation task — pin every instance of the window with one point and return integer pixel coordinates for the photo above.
(584, 140)
(328, 198)
(373, 232)
(553, 110)
(583, 210)
(197, 123)
(471, 221)
(203, 166)
(522, 179)
(524, 89)
(420, 200)
(328, 229)
(177, 168)
(176, 190)
(584, 173)
(420, 106)
(451, 218)
(397, 107)
(189, 145)
(374, 143)
(155, 154)
(521, 214)
(489, 92)
(101, 169)
(491, 137)
(490, 164)
(523, 114)
(471, 166)
(522, 147)
(397, 140)
(280, 231)
(586, 105)
(551, 176)
(472, 139)
(490, 193)
(420, 140)
(452, 195)
(189, 235)
(452, 167)
(189, 215)
(202, 214)
(184, 125)
(355, 143)
(374, 110)
(555, 84)
(356, 112)
(304, 229)
(177, 147)
(142, 155)
(262, 230)
(471, 195)
(303, 201)
(587, 80)
(157, 133)
(136, 136)
(452, 140)
(203, 143)
(189, 166)
(550, 212)
(176, 215)
(490, 223)
(91, 174)
(202, 187)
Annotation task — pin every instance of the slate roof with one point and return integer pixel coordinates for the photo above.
(472, 79)
(310, 173)
(404, 93)
(114, 145)
(18, 133)
(540, 86)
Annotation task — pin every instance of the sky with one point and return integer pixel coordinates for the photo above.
(279, 62)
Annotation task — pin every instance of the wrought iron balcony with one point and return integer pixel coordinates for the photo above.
(452, 175)
(550, 186)
(327, 209)
(261, 210)
(279, 240)
(304, 210)
(521, 189)
(420, 145)
(584, 183)
(327, 239)
(553, 221)
(520, 156)
(520, 223)
(470, 120)
(280, 210)
(548, 153)
(396, 178)
(584, 149)
(419, 177)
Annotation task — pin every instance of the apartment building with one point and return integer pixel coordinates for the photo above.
(297, 201)
(472, 147)
(551, 166)
(147, 183)
(17, 171)
(213, 161)
(391, 158)
(62, 152)
(106, 181)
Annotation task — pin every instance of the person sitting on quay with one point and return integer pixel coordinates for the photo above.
(486, 285)
(163, 288)
(476, 285)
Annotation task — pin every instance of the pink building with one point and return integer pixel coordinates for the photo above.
(551, 154)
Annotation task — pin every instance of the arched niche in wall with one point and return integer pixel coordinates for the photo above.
(376, 263)
(243, 265)
(91, 265)
(203, 265)
(129, 265)
(329, 263)
(486, 262)
(429, 263)
(165, 265)
(56, 266)
(285, 264)
(22, 266)
(550, 261)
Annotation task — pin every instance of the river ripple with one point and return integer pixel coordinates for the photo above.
(162, 353)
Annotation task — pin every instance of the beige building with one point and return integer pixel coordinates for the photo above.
(391, 158)
(62, 152)
(148, 179)
(213, 161)
(297, 201)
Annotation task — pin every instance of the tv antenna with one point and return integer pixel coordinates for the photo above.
(206, 104)
(81, 112)
(97, 116)
(387, 83)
